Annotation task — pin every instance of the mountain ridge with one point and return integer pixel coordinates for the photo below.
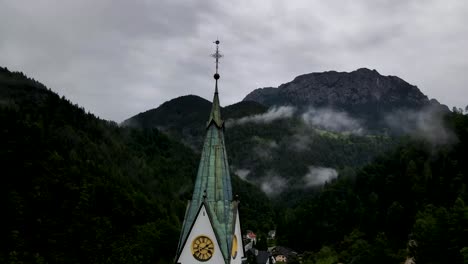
(355, 92)
(364, 97)
(185, 117)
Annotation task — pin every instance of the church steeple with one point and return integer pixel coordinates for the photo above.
(215, 115)
(211, 229)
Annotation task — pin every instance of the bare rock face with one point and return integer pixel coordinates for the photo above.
(355, 91)
(364, 94)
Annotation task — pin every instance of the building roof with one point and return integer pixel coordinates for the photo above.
(251, 234)
(279, 250)
(262, 257)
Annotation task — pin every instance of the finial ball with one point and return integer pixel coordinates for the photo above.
(217, 42)
(216, 76)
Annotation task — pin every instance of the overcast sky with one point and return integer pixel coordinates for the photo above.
(117, 58)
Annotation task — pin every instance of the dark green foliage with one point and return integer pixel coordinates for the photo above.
(409, 203)
(256, 211)
(77, 189)
(288, 147)
(189, 126)
(241, 109)
(81, 190)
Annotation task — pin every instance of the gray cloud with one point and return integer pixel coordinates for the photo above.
(427, 124)
(272, 184)
(319, 176)
(118, 58)
(330, 119)
(263, 148)
(301, 140)
(242, 173)
(271, 115)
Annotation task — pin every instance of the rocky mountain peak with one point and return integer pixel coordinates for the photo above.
(361, 88)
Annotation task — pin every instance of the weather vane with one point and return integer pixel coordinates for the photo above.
(217, 56)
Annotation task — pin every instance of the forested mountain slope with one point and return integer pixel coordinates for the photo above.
(410, 202)
(274, 148)
(184, 118)
(78, 189)
(307, 131)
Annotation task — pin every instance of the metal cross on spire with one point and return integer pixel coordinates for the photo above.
(217, 56)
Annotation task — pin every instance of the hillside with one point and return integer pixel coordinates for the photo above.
(409, 203)
(294, 142)
(267, 148)
(184, 118)
(78, 189)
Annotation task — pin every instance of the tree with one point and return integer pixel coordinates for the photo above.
(261, 243)
(430, 232)
(355, 249)
(326, 255)
(464, 253)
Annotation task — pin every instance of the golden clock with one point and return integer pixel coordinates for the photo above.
(234, 247)
(202, 248)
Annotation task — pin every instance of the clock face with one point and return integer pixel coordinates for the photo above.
(202, 248)
(234, 247)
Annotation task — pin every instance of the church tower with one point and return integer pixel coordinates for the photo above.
(211, 230)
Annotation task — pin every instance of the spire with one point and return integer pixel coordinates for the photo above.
(212, 187)
(215, 115)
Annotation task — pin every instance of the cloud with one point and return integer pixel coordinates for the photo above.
(118, 58)
(319, 176)
(273, 184)
(271, 115)
(264, 148)
(242, 173)
(427, 123)
(332, 120)
(301, 140)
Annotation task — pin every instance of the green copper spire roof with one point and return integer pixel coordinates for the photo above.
(215, 115)
(213, 182)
